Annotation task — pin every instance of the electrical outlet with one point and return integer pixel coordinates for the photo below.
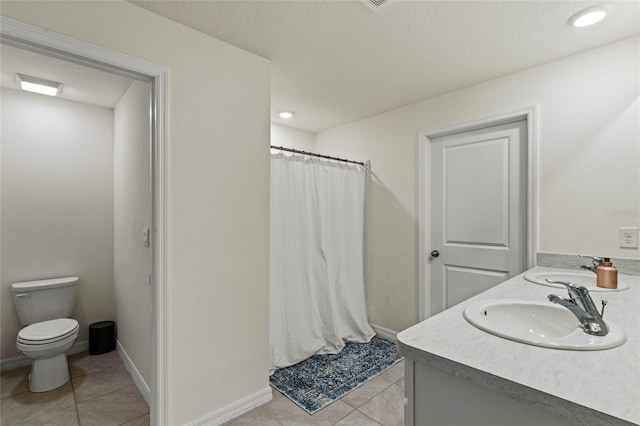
(629, 237)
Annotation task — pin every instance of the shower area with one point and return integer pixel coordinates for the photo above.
(317, 261)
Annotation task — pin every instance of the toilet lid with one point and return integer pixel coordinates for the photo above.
(47, 331)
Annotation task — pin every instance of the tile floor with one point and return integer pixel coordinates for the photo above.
(100, 392)
(380, 401)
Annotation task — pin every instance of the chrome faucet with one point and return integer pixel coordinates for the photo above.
(595, 262)
(582, 306)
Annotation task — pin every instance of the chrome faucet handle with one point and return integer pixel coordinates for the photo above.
(595, 263)
(571, 287)
(581, 305)
(576, 291)
(597, 260)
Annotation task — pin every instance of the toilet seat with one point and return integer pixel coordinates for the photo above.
(45, 332)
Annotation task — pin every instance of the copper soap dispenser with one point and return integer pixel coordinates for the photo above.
(607, 274)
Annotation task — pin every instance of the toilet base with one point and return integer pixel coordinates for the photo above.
(48, 374)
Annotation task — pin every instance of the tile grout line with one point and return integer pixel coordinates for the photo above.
(108, 393)
(379, 422)
(11, 395)
(369, 417)
(75, 400)
(343, 417)
(96, 372)
(273, 417)
(102, 370)
(373, 396)
(130, 420)
(358, 407)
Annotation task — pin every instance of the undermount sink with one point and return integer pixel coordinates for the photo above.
(587, 279)
(538, 324)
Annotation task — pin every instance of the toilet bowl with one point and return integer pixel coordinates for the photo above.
(45, 343)
(43, 306)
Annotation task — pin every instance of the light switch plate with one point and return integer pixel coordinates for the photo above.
(146, 234)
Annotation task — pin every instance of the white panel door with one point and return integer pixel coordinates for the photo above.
(477, 211)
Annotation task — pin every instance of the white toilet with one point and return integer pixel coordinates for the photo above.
(44, 307)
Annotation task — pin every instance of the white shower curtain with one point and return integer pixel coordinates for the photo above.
(317, 275)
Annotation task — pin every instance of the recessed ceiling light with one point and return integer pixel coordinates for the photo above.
(286, 114)
(38, 85)
(589, 16)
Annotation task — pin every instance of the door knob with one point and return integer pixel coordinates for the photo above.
(435, 253)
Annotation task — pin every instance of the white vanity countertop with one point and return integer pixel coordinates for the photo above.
(589, 387)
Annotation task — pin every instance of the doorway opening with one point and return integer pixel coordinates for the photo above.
(27, 37)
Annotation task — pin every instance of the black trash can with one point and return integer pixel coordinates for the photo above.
(102, 337)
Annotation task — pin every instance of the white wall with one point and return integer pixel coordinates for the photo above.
(219, 109)
(132, 213)
(289, 137)
(589, 164)
(57, 209)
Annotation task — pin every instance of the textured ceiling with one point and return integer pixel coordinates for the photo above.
(79, 83)
(340, 61)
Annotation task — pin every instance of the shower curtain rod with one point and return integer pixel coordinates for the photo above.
(296, 151)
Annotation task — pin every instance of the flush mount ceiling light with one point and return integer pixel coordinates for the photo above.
(38, 85)
(286, 114)
(589, 16)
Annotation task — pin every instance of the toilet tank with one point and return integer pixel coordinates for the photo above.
(44, 300)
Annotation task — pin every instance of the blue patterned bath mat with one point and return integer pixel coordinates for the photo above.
(322, 379)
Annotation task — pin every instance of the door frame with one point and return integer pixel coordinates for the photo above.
(25, 36)
(530, 114)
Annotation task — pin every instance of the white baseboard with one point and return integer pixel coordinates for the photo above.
(135, 374)
(385, 333)
(235, 409)
(15, 362)
(21, 360)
